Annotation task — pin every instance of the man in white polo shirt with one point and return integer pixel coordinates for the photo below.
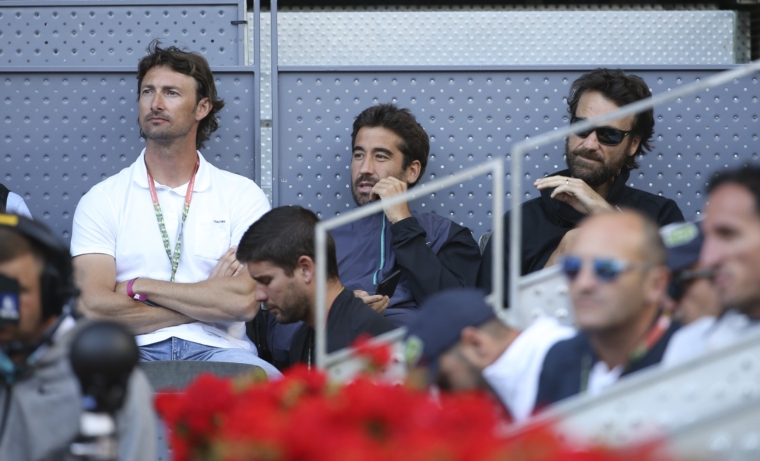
(154, 245)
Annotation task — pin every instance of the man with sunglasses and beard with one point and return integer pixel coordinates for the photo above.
(617, 278)
(599, 164)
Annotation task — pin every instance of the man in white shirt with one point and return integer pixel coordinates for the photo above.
(466, 347)
(617, 279)
(154, 245)
(731, 249)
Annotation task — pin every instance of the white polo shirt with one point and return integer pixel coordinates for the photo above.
(514, 375)
(116, 218)
(708, 334)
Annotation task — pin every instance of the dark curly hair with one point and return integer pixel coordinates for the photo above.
(621, 89)
(416, 144)
(193, 65)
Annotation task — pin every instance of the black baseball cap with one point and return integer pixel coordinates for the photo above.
(440, 322)
(683, 242)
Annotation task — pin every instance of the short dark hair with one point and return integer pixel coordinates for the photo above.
(283, 235)
(416, 143)
(747, 176)
(621, 89)
(193, 65)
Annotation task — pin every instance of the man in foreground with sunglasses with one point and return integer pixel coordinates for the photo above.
(617, 278)
(599, 163)
(731, 250)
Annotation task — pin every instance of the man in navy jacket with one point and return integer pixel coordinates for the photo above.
(617, 278)
(390, 153)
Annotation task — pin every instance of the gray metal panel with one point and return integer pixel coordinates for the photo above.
(64, 130)
(474, 115)
(502, 35)
(732, 435)
(94, 33)
(543, 293)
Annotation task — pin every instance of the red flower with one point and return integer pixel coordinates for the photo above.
(378, 355)
(302, 417)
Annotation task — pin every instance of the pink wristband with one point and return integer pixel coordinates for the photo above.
(132, 294)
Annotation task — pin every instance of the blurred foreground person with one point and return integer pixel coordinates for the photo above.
(731, 250)
(617, 278)
(41, 397)
(691, 294)
(278, 251)
(466, 347)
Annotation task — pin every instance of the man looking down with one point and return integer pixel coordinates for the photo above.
(282, 264)
(466, 347)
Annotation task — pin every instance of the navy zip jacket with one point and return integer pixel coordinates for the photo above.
(546, 220)
(562, 371)
(432, 252)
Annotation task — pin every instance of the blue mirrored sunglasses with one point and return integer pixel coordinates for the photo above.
(606, 270)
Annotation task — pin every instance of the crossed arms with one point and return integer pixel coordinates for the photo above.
(226, 296)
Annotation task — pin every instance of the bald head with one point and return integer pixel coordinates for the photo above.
(620, 277)
(627, 234)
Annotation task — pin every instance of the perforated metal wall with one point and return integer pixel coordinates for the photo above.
(47, 33)
(64, 130)
(475, 115)
(496, 35)
(500, 37)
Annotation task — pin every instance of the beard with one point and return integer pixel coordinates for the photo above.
(593, 175)
(294, 306)
(362, 198)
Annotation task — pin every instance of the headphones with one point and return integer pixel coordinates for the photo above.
(57, 279)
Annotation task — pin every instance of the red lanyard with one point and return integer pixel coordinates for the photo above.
(654, 334)
(173, 259)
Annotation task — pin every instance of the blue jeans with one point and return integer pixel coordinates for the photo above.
(179, 349)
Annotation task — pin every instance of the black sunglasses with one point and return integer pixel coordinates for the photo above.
(681, 282)
(605, 134)
(606, 270)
